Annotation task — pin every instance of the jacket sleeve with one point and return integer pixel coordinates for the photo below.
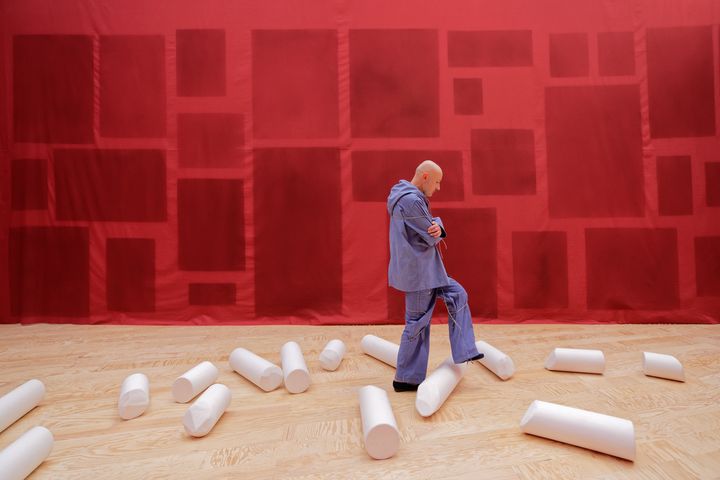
(417, 218)
(442, 227)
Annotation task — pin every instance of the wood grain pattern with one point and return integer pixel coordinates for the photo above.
(318, 434)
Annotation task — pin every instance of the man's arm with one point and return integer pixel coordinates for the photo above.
(418, 219)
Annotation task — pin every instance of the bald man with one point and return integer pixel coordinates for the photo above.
(417, 269)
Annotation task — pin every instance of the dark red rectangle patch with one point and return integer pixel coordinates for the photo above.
(110, 185)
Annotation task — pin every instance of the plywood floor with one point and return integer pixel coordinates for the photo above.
(317, 434)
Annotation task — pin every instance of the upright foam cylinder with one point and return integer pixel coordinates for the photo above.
(436, 388)
(381, 349)
(134, 396)
(189, 384)
(18, 402)
(20, 458)
(332, 355)
(663, 366)
(202, 415)
(380, 431)
(496, 361)
(259, 371)
(595, 431)
(576, 360)
(295, 371)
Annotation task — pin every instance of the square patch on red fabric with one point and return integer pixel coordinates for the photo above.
(295, 83)
(132, 86)
(509, 48)
(594, 151)
(211, 224)
(29, 184)
(131, 274)
(569, 55)
(540, 269)
(394, 82)
(468, 96)
(712, 184)
(632, 268)
(210, 140)
(707, 266)
(675, 192)
(298, 231)
(110, 185)
(616, 53)
(49, 271)
(681, 88)
(503, 162)
(200, 62)
(53, 88)
(211, 293)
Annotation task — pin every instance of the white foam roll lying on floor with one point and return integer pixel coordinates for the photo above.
(381, 349)
(189, 384)
(295, 371)
(663, 366)
(202, 415)
(20, 458)
(436, 388)
(380, 431)
(259, 371)
(134, 396)
(496, 361)
(596, 431)
(332, 354)
(19, 401)
(576, 360)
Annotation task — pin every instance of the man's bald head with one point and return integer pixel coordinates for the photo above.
(427, 177)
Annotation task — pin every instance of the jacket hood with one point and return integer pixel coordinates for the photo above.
(399, 190)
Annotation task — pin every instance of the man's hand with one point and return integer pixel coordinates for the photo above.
(434, 230)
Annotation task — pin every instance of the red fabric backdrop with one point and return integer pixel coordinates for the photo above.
(175, 161)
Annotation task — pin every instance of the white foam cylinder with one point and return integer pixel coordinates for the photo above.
(202, 415)
(134, 396)
(436, 388)
(295, 371)
(496, 361)
(595, 431)
(663, 366)
(20, 458)
(189, 384)
(18, 402)
(380, 431)
(381, 349)
(259, 371)
(332, 354)
(576, 360)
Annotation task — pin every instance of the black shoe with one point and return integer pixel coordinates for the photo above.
(476, 357)
(404, 387)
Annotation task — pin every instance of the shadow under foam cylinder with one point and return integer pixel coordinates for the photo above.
(380, 431)
(295, 371)
(259, 371)
(134, 396)
(18, 402)
(496, 361)
(576, 360)
(332, 355)
(202, 415)
(434, 390)
(189, 384)
(595, 431)
(20, 458)
(379, 348)
(663, 366)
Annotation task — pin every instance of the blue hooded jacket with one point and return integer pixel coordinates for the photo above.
(415, 263)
